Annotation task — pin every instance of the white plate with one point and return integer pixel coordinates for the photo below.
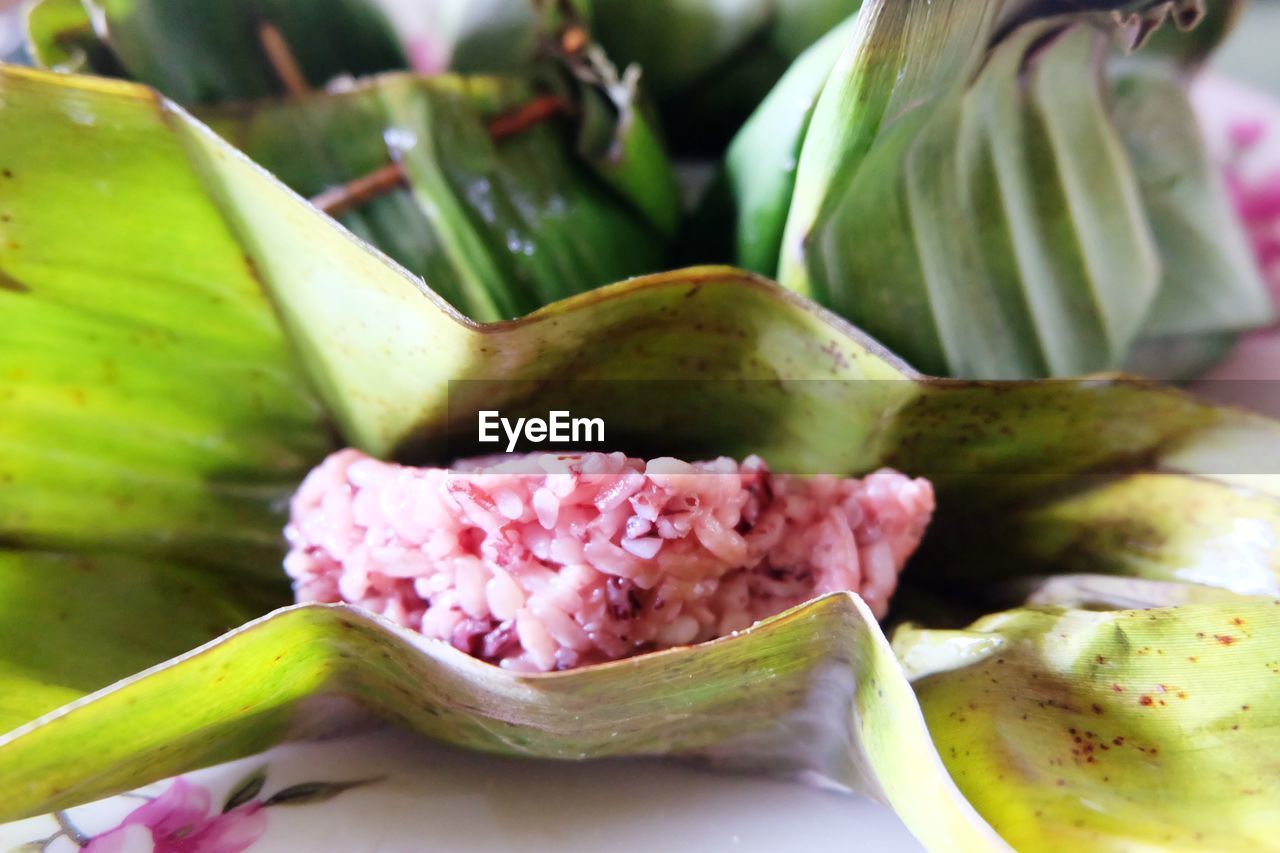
(429, 797)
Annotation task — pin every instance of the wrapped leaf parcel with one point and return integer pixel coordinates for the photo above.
(706, 63)
(506, 193)
(500, 226)
(946, 176)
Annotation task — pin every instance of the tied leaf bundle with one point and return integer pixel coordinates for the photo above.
(505, 192)
(1001, 189)
(171, 372)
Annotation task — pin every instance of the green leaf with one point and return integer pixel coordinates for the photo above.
(120, 429)
(1095, 233)
(761, 162)
(1071, 730)
(60, 35)
(75, 622)
(1155, 526)
(875, 77)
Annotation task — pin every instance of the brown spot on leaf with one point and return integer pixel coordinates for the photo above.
(1146, 700)
(1225, 639)
(8, 282)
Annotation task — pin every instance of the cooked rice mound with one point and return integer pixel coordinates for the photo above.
(547, 561)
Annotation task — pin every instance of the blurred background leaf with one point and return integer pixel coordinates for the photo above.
(997, 212)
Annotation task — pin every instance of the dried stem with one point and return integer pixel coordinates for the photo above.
(361, 191)
(356, 193)
(525, 116)
(282, 60)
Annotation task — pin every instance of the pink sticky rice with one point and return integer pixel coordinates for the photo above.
(550, 561)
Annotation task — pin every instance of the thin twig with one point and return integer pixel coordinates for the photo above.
(526, 115)
(338, 200)
(282, 60)
(356, 193)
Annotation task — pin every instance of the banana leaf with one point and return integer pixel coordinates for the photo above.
(231, 306)
(959, 188)
(1121, 730)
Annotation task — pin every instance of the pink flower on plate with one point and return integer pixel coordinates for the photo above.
(179, 821)
(1242, 128)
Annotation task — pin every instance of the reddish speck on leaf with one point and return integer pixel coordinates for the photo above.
(1146, 700)
(1224, 639)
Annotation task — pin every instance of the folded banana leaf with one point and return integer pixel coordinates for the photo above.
(948, 177)
(1123, 730)
(498, 226)
(188, 334)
